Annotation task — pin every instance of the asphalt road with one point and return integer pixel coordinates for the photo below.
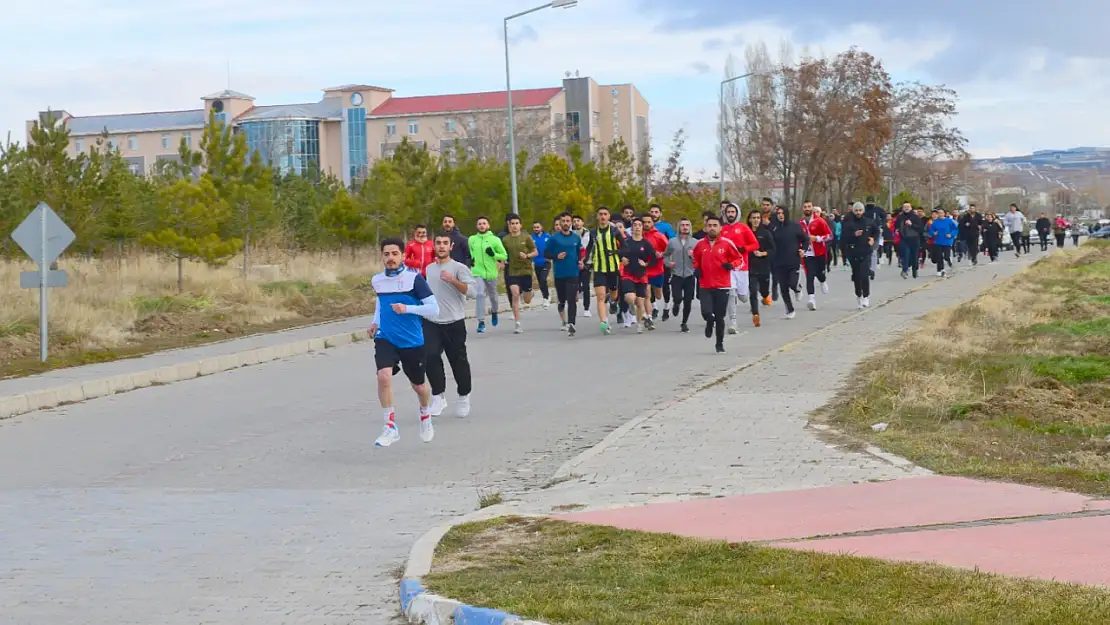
(257, 496)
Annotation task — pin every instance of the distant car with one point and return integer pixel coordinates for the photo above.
(1101, 233)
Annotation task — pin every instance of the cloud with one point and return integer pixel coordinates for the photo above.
(1026, 81)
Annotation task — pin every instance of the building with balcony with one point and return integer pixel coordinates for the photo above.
(352, 125)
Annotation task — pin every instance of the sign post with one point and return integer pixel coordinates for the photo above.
(43, 236)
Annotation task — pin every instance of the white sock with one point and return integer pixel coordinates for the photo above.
(425, 412)
(388, 414)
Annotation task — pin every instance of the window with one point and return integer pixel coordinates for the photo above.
(357, 156)
(289, 146)
(165, 142)
(574, 126)
(471, 123)
(596, 119)
(132, 143)
(221, 118)
(414, 127)
(79, 145)
(187, 138)
(449, 125)
(111, 143)
(134, 168)
(390, 129)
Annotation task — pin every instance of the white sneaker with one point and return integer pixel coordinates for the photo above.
(867, 302)
(812, 304)
(788, 315)
(427, 430)
(732, 328)
(586, 314)
(825, 287)
(389, 436)
(859, 303)
(546, 304)
(462, 408)
(639, 328)
(518, 329)
(439, 402)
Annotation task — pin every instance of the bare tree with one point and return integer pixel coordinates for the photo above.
(485, 134)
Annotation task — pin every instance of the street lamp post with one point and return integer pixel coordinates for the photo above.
(722, 131)
(555, 4)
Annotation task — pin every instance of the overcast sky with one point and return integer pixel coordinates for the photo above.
(1031, 75)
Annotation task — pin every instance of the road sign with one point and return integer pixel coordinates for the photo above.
(33, 279)
(43, 235)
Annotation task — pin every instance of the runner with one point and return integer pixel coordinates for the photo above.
(910, 231)
(876, 214)
(700, 234)
(992, 235)
(564, 249)
(579, 226)
(679, 259)
(943, 231)
(815, 255)
(1014, 221)
(628, 213)
(970, 229)
(445, 334)
(1044, 227)
(404, 298)
(714, 259)
(521, 249)
(543, 268)
(489, 254)
(603, 253)
(419, 253)
(460, 245)
(759, 264)
(744, 239)
(665, 228)
(859, 236)
(656, 271)
(637, 254)
(791, 242)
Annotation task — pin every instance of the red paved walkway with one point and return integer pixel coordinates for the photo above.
(1073, 549)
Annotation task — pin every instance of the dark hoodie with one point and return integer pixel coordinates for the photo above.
(460, 248)
(761, 265)
(875, 213)
(789, 237)
(857, 246)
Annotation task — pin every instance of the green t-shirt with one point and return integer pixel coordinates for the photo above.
(514, 245)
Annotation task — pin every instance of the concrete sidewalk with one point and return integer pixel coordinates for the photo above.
(75, 384)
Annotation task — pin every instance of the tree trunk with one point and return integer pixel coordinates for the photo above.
(180, 275)
(246, 253)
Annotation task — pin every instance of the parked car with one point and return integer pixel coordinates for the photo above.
(1101, 233)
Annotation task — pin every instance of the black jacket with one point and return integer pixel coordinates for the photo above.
(915, 229)
(875, 213)
(857, 245)
(1044, 224)
(460, 248)
(970, 226)
(789, 237)
(992, 232)
(761, 265)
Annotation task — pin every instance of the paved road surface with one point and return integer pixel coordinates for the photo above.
(256, 496)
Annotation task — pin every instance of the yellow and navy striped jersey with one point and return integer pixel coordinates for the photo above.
(604, 249)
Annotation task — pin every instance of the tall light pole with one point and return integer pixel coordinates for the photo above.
(555, 4)
(722, 131)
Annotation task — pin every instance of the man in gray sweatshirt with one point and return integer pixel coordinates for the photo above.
(452, 283)
(1015, 225)
(679, 259)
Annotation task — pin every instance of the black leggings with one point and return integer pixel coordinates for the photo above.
(447, 339)
(584, 287)
(992, 248)
(787, 279)
(815, 268)
(714, 307)
(861, 274)
(888, 249)
(542, 271)
(941, 254)
(759, 285)
(566, 289)
(1015, 238)
(682, 292)
(1060, 239)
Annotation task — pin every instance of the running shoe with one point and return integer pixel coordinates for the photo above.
(789, 315)
(708, 329)
(462, 408)
(586, 314)
(605, 329)
(767, 301)
(720, 348)
(570, 329)
(481, 327)
(755, 320)
(493, 319)
(389, 436)
(825, 287)
(684, 328)
(650, 323)
(639, 328)
(427, 430)
(812, 303)
(732, 328)
(518, 329)
(666, 314)
(867, 302)
(439, 402)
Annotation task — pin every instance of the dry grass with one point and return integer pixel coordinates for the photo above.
(1014, 385)
(564, 573)
(122, 308)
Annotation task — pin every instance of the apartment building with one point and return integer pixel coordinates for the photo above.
(352, 125)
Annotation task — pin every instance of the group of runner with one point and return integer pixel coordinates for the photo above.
(630, 262)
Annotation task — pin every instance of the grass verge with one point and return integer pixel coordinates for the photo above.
(570, 574)
(122, 309)
(1014, 385)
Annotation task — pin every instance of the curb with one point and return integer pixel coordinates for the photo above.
(77, 392)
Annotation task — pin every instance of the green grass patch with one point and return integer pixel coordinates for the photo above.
(147, 305)
(1097, 269)
(1074, 369)
(1054, 429)
(1100, 299)
(16, 328)
(572, 574)
(1089, 327)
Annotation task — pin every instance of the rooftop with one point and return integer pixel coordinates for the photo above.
(485, 101)
(136, 122)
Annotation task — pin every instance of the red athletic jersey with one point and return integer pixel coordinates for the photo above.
(743, 238)
(658, 241)
(819, 233)
(419, 255)
(709, 259)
